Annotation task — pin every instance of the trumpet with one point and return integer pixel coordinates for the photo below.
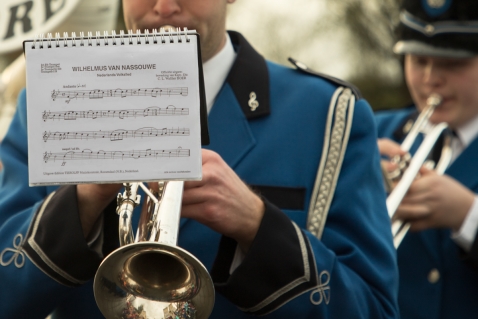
(149, 276)
(409, 167)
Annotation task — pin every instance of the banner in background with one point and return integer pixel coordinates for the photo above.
(21, 20)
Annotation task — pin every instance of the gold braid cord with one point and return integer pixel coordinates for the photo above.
(335, 143)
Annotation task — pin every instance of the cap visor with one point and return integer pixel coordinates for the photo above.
(419, 48)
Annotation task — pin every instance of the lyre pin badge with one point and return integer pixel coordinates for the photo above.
(408, 126)
(253, 103)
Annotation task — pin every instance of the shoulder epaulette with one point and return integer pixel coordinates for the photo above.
(304, 68)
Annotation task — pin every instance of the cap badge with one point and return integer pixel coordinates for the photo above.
(435, 3)
(435, 8)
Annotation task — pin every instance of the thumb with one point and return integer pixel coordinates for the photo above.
(389, 148)
(424, 170)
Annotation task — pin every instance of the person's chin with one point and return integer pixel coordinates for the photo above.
(169, 27)
(166, 27)
(441, 116)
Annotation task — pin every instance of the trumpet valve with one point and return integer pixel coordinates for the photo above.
(402, 163)
(127, 203)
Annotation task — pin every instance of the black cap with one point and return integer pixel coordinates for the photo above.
(446, 28)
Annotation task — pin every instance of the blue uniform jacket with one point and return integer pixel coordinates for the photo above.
(288, 273)
(437, 280)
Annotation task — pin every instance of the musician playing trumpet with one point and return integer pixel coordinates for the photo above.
(435, 259)
(256, 219)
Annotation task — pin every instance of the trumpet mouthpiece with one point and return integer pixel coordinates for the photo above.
(434, 99)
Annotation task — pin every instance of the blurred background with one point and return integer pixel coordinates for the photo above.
(349, 39)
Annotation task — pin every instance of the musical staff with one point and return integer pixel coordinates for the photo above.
(88, 154)
(122, 93)
(170, 110)
(116, 135)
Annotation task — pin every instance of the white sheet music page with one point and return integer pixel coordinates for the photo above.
(110, 112)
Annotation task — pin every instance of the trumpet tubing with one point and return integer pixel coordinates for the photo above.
(149, 275)
(413, 164)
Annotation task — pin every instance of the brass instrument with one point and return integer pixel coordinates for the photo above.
(150, 276)
(410, 169)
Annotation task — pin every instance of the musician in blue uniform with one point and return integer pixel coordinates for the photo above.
(437, 259)
(290, 221)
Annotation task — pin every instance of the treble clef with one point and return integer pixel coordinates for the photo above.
(54, 94)
(46, 135)
(253, 103)
(45, 116)
(46, 156)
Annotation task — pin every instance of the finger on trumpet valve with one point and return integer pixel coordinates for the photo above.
(429, 164)
(401, 163)
(405, 160)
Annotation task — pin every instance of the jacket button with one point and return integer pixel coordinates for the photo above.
(433, 276)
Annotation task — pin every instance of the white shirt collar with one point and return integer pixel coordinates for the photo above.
(216, 70)
(468, 132)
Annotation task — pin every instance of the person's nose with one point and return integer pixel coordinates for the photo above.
(166, 8)
(432, 75)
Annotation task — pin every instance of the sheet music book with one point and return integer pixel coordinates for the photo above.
(115, 108)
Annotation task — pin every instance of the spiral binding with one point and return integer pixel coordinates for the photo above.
(138, 38)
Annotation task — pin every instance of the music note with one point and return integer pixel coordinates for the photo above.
(118, 135)
(122, 114)
(70, 115)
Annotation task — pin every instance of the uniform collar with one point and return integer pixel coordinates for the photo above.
(402, 130)
(468, 132)
(249, 78)
(216, 70)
